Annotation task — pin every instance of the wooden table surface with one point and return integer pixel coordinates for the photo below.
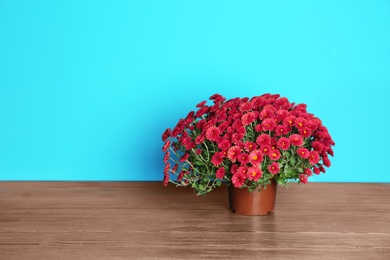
(143, 220)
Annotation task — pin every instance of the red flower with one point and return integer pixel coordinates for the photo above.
(254, 173)
(233, 153)
(300, 122)
(175, 167)
(303, 178)
(201, 104)
(237, 137)
(256, 157)
(263, 139)
(268, 124)
(330, 151)
(283, 143)
(244, 107)
(308, 172)
(274, 154)
(238, 180)
(273, 168)
(243, 158)
(184, 157)
(248, 118)
(317, 146)
(265, 149)
(233, 168)
(303, 153)
(199, 139)
(305, 131)
(314, 157)
(166, 180)
(198, 151)
(224, 145)
(166, 156)
(212, 133)
(296, 140)
(180, 177)
(166, 145)
(166, 169)
(316, 170)
(281, 130)
(250, 146)
(322, 169)
(242, 170)
(166, 134)
(217, 158)
(326, 161)
(220, 173)
(289, 121)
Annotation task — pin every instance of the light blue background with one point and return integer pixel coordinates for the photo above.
(87, 87)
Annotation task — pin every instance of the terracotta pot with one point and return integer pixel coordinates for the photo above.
(255, 203)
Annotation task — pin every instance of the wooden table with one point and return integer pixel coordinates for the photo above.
(143, 220)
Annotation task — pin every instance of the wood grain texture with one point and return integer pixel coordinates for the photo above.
(143, 220)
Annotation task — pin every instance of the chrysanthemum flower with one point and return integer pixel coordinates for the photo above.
(303, 153)
(166, 145)
(283, 143)
(224, 145)
(308, 172)
(318, 146)
(305, 131)
(303, 178)
(166, 180)
(243, 158)
(265, 149)
(166, 156)
(184, 157)
(326, 161)
(217, 158)
(242, 170)
(201, 104)
(254, 173)
(281, 130)
(238, 180)
(273, 168)
(248, 118)
(300, 122)
(250, 146)
(296, 140)
(233, 168)
(289, 121)
(274, 154)
(233, 153)
(256, 157)
(244, 107)
(220, 173)
(180, 176)
(212, 133)
(314, 157)
(316, 170)
(166, 134)
(166, 168)
(268, 124)
(237, 137)
(263, 139)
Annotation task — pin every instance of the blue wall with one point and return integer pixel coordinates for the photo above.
(87, 87)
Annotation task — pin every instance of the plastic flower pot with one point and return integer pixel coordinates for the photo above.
(256, 203)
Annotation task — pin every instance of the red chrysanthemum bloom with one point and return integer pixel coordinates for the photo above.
(166, 169)
(303, 153)
(233, 168)
(274, 154)
(244, 107)
(322, 169)
(224, 145)
(303, 178)
(243, 158)
(256, 157)
(200, 124)
(220, 173)
(180, 176)
(202, 111)
(166, 145)
(250, 146)
(316, 170)
(326, 161)
(289, 121)
(305, 131)
(268, 124)
(237, 137)
(281, 130)
(308, 172)
(330, 151)
(258, 128)
(217, 158)
(198, 151)
(281, 114)
(283, 143)
(273, 168)
(174, 169)
(184, 157)
(266, 112)
(238, 180)
(254, 173)
(263, 139)
(233, 153)
(166, 180)
(318, 146)
(296, 140)
(265, 149)
(212, 133)
(199, 139)
(166, 134)
(201, 104)
(300, 122)
(166, 156)
(314, 157)
(248, 118)
(242, 170)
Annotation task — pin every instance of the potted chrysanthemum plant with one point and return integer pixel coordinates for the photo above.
(252, 144)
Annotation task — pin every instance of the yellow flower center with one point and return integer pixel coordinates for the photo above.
(254, 174)
(254, 157)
